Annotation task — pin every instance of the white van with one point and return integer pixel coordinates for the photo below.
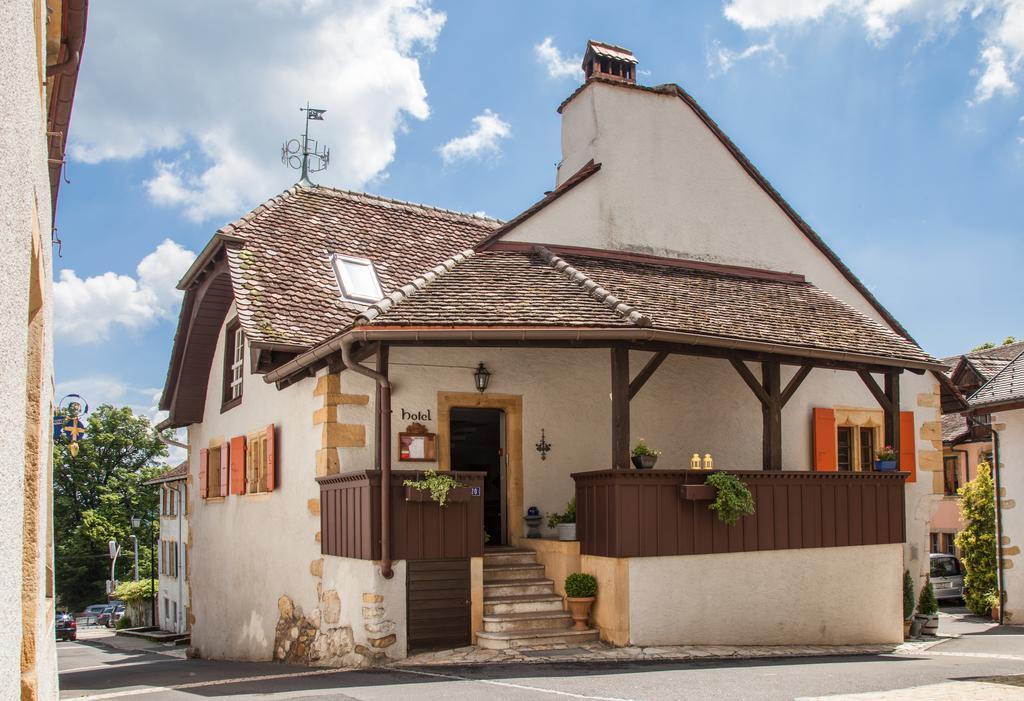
(947, 577)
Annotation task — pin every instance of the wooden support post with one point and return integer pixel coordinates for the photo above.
(641, 377)
(892, 412)
(620, 407)
(383, 353)
(771, 412)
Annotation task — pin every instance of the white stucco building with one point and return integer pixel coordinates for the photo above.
(41, 46)
(329, 345)
(172, 598)
(1002, 397)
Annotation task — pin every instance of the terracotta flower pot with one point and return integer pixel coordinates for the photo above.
(580, 610)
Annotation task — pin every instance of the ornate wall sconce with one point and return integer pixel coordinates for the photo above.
(481, 377)
(543, 446)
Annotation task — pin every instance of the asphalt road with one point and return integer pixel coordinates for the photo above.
(92, 670)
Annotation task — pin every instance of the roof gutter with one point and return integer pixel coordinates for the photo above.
(425, 335)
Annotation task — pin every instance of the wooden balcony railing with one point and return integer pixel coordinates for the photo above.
(642, 513)
(420, 529)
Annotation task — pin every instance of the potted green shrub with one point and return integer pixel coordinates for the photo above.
(732, 498)
(564, 523)
(440, 487)
(580, 591)
(644, 458)
(908, 602)
(885, 459)
(928, 609)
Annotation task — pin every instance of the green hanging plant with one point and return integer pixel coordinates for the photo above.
(732, 499)
(439, 484)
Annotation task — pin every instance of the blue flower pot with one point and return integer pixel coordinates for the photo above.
(885, 465)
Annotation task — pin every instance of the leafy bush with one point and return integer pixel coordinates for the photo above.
(123, 622)
(908, 595)
(977, 541)
(580, 586)
(926, 603)
(141, 590)
(555, 518)
(439, 484)
(733, 500)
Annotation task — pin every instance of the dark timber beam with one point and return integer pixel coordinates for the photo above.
(773, 397)
(641, 379)
(620, 407)
(748, 377)
(892, 412)
(880, 396)
(794, 383)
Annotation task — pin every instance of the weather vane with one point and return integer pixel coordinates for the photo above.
(306, 154)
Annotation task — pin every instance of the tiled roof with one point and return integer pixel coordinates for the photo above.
(954, 427)
(987, 367)
(285, 287)
(1007, 385)
(611, 51)
(509, 288)
(175, 473)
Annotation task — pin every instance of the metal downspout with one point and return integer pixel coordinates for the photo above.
(999, 524)
(384, 421)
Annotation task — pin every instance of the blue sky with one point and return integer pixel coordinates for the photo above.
(895, 129)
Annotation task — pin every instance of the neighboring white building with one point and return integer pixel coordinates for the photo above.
(172, 598)
(40, 47)
(1003, 398)
(662, 290)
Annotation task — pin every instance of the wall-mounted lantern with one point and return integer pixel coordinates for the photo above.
(482, 377)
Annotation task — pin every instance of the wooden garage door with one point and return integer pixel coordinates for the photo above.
(438, 594)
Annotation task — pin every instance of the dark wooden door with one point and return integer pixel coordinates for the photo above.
(477, 446)
(438, 603)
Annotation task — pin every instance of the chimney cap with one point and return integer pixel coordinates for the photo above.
(607, 50)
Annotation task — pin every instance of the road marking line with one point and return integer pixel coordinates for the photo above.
(510, 685)
(212, 682)
(986, 655)
(110, 665)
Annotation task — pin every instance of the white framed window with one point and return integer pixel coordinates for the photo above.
(236, 365)
(357, 279)
(256, 463)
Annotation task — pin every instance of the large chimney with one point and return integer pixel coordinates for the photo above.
(609, 61)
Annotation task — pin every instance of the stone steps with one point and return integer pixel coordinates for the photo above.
(528, 621)
(521, 608)
(537, 638)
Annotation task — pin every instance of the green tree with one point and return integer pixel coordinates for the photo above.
(95, 495)
(977, 541)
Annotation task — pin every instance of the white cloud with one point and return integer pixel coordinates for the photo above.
(720, 59)
(483, 140)
(1000, 22)
(88, 310)
(209, 96)
(557, 65)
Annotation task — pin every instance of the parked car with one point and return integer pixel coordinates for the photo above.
(947, 577)
(67, 628)
(89, 613)
(114, 616)
(104, 615)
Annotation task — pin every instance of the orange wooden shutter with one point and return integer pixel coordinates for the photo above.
(238, 465)
(225, 460)
(271, 462)
(908, 445)
(824, 440)
(204, 457)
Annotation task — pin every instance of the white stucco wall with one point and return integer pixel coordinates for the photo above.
(1011, 475)
(24, 204)
(668, 186)
(814, 596)
(175, 589)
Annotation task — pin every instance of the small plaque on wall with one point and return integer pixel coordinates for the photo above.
(416, 444)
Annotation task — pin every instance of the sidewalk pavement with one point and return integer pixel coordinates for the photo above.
(107, 637)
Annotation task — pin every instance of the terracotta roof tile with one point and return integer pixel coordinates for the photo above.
(954, 427)
(1006, 386)
(285, 288)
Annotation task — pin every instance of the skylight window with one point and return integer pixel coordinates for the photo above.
(356, 279)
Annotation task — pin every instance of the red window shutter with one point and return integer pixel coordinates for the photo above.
(204, 461)
(271, 461)
(824, 440)
(225, 460)
(908, 445)
(238, 465)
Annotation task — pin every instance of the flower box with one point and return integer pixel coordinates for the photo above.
(459, 494)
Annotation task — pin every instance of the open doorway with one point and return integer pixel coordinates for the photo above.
(478, 445)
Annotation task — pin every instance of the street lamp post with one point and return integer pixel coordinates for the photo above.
(135, 548)
(136, 523)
